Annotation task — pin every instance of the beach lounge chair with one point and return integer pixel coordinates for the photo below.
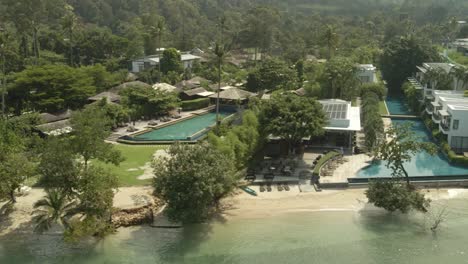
(286, 187)
(262, 188)
(268, 188)
(279, 187)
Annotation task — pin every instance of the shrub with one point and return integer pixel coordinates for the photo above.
(324, 160)
(195, 104)
(376, 88)
(394, 195)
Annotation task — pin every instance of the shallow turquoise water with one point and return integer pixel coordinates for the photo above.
(308, 237)
(396, 106)
(181, 130)
(422, 163)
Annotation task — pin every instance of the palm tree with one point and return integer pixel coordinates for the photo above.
(159, 32)
(68, 24)
(460, 74)
(220, 56)
(331, 39)
(53, 208)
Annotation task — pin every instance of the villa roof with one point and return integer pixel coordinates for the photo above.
(122, 86)
(195, 91)
(233, 94)
(49, 118)
(192, 83)
(300, 91)
(341, 115)
(110, 96)
(443, 113)
(335, 109)
(183, 57)
(55, 128)
(166, 87)
(205, 94)
(366, 67)
(447, 67)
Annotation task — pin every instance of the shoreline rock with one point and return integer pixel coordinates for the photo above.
(135, 216)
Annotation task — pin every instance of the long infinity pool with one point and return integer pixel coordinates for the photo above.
(396, 106)
(422, 163)
(181, 130)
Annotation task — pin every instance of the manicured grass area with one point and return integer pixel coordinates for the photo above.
(458, 57)
(135, 158)
(323, 160)
(382, 108)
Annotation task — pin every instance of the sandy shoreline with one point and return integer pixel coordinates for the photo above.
(239, 206)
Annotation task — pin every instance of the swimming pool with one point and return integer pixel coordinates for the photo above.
(188, 129)
(396, 106)
(422, 163)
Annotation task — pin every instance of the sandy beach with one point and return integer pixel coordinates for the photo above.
(243, 205)
(20, 219)
(239, 205)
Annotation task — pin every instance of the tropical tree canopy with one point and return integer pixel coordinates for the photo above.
(192, 179)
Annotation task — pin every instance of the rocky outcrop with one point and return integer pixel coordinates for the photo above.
(135, 216)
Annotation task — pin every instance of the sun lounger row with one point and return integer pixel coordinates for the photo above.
(280, 187)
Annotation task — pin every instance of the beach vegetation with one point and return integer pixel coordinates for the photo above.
(400, 147)
(192, 180)
(398, 193)
(54, 208)
(241, 142)
(395, 195)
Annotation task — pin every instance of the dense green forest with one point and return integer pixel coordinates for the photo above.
(107, 34)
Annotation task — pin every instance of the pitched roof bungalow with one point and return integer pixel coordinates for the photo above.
(232, 96)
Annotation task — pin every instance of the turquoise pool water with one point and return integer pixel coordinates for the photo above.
(181, 130)
(396, 106)
(422, 164)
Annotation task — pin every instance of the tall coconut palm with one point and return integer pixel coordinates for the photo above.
(460, 74)
(159, 31)
(55, 207)
(220, 56)
(331, 39)
(68, 25)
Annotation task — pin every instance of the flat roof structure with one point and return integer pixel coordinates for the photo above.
(341, 115)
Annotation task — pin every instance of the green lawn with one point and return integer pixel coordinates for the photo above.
(458, 57)
(129, 170)
(382, 108)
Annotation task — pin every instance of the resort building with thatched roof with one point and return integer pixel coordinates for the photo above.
(165, 87)
(232, 96)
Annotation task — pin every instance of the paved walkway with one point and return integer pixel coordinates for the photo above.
(348, 169)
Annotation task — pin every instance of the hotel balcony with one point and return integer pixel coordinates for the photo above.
(446, 119)
(444, 128)
(417, 85)
(430, 108)
(436, 117)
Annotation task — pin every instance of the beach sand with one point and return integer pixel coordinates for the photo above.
(239, 205)
(243, 205)
(20, 219)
